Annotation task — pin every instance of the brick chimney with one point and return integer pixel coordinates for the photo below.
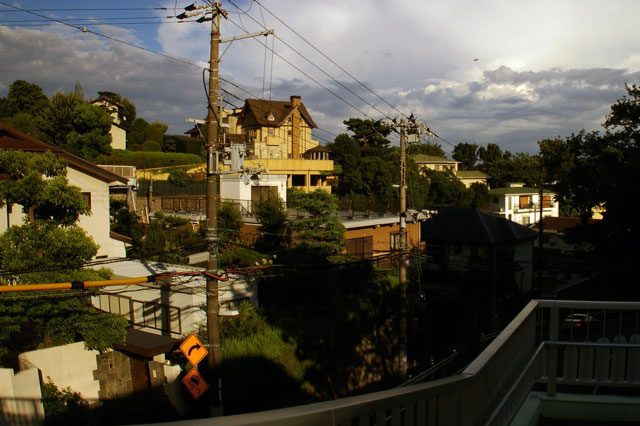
(296, 124)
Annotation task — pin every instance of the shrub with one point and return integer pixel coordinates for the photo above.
(151, 159)
(178, 177)
(151, 146)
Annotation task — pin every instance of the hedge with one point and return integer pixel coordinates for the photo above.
(150, 159)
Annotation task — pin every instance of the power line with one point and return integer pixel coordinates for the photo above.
(86, 30)
(320, 69)
(329, 59)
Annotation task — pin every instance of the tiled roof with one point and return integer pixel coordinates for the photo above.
(281, 110)
(472, 226)
(422, 158)
(11, 138)
(472, 174)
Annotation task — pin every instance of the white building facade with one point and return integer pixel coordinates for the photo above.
(521, 204)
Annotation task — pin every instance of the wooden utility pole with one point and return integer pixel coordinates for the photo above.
(213, 184)
(403, 367)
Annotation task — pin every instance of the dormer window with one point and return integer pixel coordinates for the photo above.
(271, 117)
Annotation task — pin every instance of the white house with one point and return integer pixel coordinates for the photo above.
(521, 204)
(244, 190)
(117, 131)
(93, 182)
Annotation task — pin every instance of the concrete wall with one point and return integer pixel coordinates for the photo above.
(68, 366)
(20, 397)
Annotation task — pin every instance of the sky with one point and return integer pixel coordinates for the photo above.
(511, 72)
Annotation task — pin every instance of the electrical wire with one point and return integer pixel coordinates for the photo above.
(86, 30)
(317, 67)
(329, 59)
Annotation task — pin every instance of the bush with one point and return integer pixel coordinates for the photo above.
(178, 177)
(151, 146)
(64, 407)
(151, 159)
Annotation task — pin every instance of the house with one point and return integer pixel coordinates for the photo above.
(93, 182)
(371, 237)
(175, 306)
(114, 109)
(463, 241)
(441, 164)
(434, 162)
(469, 177)
(277, 135)
(521, 204)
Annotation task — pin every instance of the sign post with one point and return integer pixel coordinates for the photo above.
(195, 352)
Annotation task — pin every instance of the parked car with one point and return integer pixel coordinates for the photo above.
(579, 322)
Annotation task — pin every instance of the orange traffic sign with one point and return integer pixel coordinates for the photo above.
(193, 349)
(195, 383)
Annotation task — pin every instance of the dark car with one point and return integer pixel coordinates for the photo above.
(579, 322)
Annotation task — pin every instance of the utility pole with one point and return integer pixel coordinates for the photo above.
(403, 365)
(212, 12)
(213, 184)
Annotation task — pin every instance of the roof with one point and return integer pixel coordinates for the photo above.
(472, 226)
(472, 174)
(514, 190)
(560, 224)
(422, 158)
(318, 148)
(147, 345)
(11, 138)
(281, 110)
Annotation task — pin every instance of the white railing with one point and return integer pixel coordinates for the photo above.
(492, 388)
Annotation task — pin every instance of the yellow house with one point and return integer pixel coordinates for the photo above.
(117, 132)
(277, 135)
(441, 164)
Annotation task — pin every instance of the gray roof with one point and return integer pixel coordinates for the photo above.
(472, 226)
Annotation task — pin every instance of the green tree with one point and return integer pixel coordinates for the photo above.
(21, 106)
(49, 247)
(76, 126)
(26, 97)
(90, 136)
(320, 234)
(599, 171)
(426, 149)
(271, 214)
(368, 132)
(467, 154)
(229, 221)
(128, 114)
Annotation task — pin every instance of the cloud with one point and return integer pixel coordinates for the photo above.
(543, 70)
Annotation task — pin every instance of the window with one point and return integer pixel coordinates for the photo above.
(496, 200)
(395, 241)
(457, 248)
(87, 198)
(271, 132)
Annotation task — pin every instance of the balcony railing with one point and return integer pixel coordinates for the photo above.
(535, 350)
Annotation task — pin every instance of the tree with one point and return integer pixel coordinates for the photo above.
(321, 234)
(229, 221)
(128, 114)
(76, 126)
(426, 149)
(49, 247)
(467, 154)
(26, 97)
(597, 171)
(178, 177)
(271, 214)
(369, 132)
(21, 106)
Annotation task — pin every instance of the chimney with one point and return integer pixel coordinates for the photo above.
(295, 128)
